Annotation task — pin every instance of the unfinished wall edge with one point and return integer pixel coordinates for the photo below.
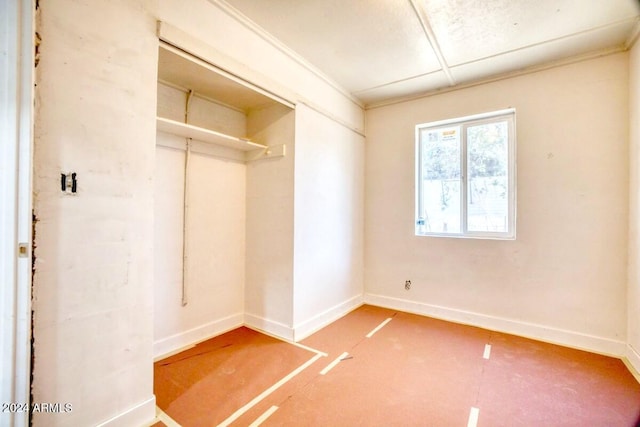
(548, 334)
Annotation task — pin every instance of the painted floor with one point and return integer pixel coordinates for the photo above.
(379, 367)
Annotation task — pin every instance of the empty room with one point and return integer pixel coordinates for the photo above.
(320, 213)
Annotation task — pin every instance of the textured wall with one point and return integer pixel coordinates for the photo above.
(93, 298)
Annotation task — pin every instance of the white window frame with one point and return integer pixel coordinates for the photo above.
(510, 116)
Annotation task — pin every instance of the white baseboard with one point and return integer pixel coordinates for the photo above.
(309, 326)
(633, 361)
(530, 330)
(271, 327)
(138, 415)
(173, 343)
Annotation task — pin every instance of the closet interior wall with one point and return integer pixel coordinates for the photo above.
(270, 224)
(221, 208)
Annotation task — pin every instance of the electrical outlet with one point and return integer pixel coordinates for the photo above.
(407, 284)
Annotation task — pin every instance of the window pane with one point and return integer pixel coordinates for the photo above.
(488, 181)
(440, 181)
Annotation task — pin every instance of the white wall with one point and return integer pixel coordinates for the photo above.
(239, 49)
(215, 227)
(215, 248)
(269, 263)
(94, 278)
(232, 45)
(564, 278)
(633, 295)
(329, 190)
(93, 295)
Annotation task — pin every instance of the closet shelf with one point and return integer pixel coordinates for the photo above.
(206, 135)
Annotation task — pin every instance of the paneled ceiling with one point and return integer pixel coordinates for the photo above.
(379, 50)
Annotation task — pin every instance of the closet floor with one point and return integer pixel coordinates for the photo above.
(379, 367)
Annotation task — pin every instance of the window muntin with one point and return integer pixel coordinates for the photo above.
(465, 171)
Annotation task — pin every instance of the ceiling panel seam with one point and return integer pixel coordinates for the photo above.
(406, 79)
(545, 42)
(275, 42)
(504, 76)
(431, 37)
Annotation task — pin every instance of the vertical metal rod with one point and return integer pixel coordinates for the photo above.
(187, 105)
(185, 211)
(185, 226)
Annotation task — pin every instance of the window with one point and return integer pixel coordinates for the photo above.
(465, 173)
